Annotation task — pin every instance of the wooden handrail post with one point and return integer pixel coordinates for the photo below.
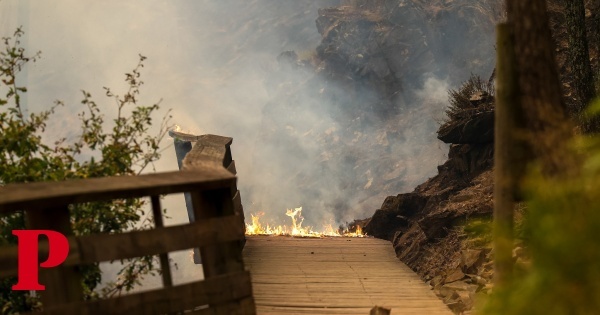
(226, 258)
(63, 283)
(211, 151)
(164, 258)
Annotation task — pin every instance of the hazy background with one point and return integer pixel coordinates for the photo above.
(207, 61)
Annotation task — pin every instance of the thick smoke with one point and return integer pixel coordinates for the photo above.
(215, 64)
(342, 132)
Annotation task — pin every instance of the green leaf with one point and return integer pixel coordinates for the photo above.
(594, 108)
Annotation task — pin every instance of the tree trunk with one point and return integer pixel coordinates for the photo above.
(510, 156)
(594, 36)
(549, 129)
(578, 60)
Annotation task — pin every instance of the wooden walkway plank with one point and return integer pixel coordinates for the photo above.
(334, 276)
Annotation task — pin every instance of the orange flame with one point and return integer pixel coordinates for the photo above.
(296, 229)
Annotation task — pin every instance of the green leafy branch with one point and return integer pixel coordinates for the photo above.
(120, 146)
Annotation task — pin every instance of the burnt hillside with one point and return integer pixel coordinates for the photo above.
(366, 104)
(426, 226)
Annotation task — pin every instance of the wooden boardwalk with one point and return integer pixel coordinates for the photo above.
(334, 276)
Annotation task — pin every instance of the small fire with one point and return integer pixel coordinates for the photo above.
(296, 229)
(357, 233)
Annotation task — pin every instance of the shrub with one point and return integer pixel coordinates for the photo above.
(119, 147)
(460, 99)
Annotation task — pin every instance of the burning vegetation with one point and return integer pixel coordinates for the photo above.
(296, 229)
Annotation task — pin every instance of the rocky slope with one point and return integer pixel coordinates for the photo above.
(424, 226)
(427, 226)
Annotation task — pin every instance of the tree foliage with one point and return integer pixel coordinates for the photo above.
(104, 147)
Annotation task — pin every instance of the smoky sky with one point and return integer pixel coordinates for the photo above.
(206, 61)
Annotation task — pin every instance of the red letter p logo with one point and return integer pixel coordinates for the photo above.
(58, 250)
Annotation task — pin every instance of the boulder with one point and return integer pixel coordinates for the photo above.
(392, 216)
(461, 286)
(437, 281)
(470, 259)
(469, 160)
(408, 246)
(475, 128)
(466, 299)
(384, 224)
(454, 275)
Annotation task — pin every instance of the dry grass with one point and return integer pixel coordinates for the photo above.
(460, 99)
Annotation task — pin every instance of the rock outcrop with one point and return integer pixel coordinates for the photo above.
(424, 225)
(429, 235)
(429, 211)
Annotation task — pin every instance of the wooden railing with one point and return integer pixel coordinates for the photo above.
(217, 231)
(207, 150)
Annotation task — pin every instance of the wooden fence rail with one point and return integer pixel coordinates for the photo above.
(217, 231)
